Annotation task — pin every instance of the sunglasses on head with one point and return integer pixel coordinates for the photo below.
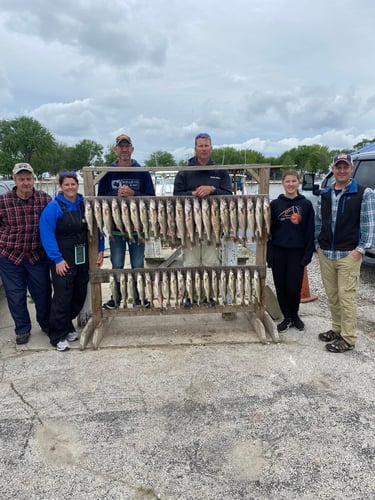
(63, 174)
(201, 135)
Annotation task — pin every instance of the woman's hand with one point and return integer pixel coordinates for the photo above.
(62, 268)
(99, 260)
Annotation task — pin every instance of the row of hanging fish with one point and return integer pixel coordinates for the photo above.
(182, 220)
(171, 288)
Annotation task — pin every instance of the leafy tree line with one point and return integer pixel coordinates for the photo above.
(25, 139)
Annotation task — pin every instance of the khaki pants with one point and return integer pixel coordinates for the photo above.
(341, 280)
(201, 254)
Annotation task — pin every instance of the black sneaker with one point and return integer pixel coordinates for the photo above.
(187, 302)
(284, 325)
(111, 304)
(23, 338)
(298, 323)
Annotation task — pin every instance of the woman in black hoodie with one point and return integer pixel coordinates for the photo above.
(290, 248)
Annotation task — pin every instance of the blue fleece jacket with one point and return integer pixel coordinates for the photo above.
(47, 225)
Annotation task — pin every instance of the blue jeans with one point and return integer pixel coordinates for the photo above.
(17, 280)
(118, 246)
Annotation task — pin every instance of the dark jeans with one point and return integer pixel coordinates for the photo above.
(288, 275)
(69, 294)
(17, 280)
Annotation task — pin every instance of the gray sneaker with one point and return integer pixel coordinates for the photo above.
(63, 345)
(72, 336)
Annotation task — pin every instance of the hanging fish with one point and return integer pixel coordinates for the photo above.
(107, 218)
(153, 216)
(141, 287)
(180, 222)
(214, 285)
(241, 207)
(143, 215)
(123, 289)
(223, 288)
(206, 218)
(247, 287)
(148, 288)
(197, 215)
(157, 291)
(224, 217)
(189, 221)
(250, 210)
(162, 219)
(117, 219)
(232, 287)
(171, 221)
(267, 215)
(174, 290)
(99, 216)
(206, 286)
(165, 290)
(256, 286)
(233, 217)
(134, 217)
(198, 286)
(130, 289)
(259, 218)
(189, 286)
(240, 288)
(125, 215)
(89, 216)
(181, 287)
(114, 289)
(215, 219)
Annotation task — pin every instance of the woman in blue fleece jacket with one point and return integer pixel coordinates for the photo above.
(63, 232)
(290, 248)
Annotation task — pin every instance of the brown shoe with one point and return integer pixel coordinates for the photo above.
(328, 336)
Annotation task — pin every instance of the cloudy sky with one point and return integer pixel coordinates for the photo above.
(267, 75)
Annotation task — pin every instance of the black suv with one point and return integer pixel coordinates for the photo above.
(364, 174)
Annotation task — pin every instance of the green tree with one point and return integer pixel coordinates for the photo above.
(85, 153)
(363, 143)
(22, 138)
(160, 159)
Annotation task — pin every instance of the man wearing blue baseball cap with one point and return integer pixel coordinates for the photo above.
(344, 228)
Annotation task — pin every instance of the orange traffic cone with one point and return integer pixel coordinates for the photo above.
(305, 290)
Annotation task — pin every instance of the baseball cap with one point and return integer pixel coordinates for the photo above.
(123, 137)
(19, 167)
(345, 157)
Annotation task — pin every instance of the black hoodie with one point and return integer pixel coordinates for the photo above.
(185, 182)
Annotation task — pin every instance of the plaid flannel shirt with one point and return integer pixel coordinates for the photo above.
(19, 226)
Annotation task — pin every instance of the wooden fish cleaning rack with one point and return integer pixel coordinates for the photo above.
(98, 323)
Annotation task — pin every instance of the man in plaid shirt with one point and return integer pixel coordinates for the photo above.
(23, 262)
(344, 229)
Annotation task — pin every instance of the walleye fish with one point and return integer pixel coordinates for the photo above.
(189, 286)
(165, 290)
(198, 286)
(143, 215)
(267, 215)
(256, 286)
(123, 289)
(239, 288)
(134, 217)
(114, 289)
(141, 287)
(162, 219)
(206, 286)
(233, 217)
(206, 218)
(148, 288)
(99, 216)
(250, 212)
(181, 287)
(125, 215)
(232, 287)
(214, 284)
(153, 216)
(116, 214)
(259, 218)
(197, 215)
(171, 221)
(224, 216)
(107, 218)
(241, 208)
(180, 222)
(189, 221)
(131, 294)
(174, 290)
(89, 217)
(157, 290)
(223, 288)
(215, 219)
(247, 287)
